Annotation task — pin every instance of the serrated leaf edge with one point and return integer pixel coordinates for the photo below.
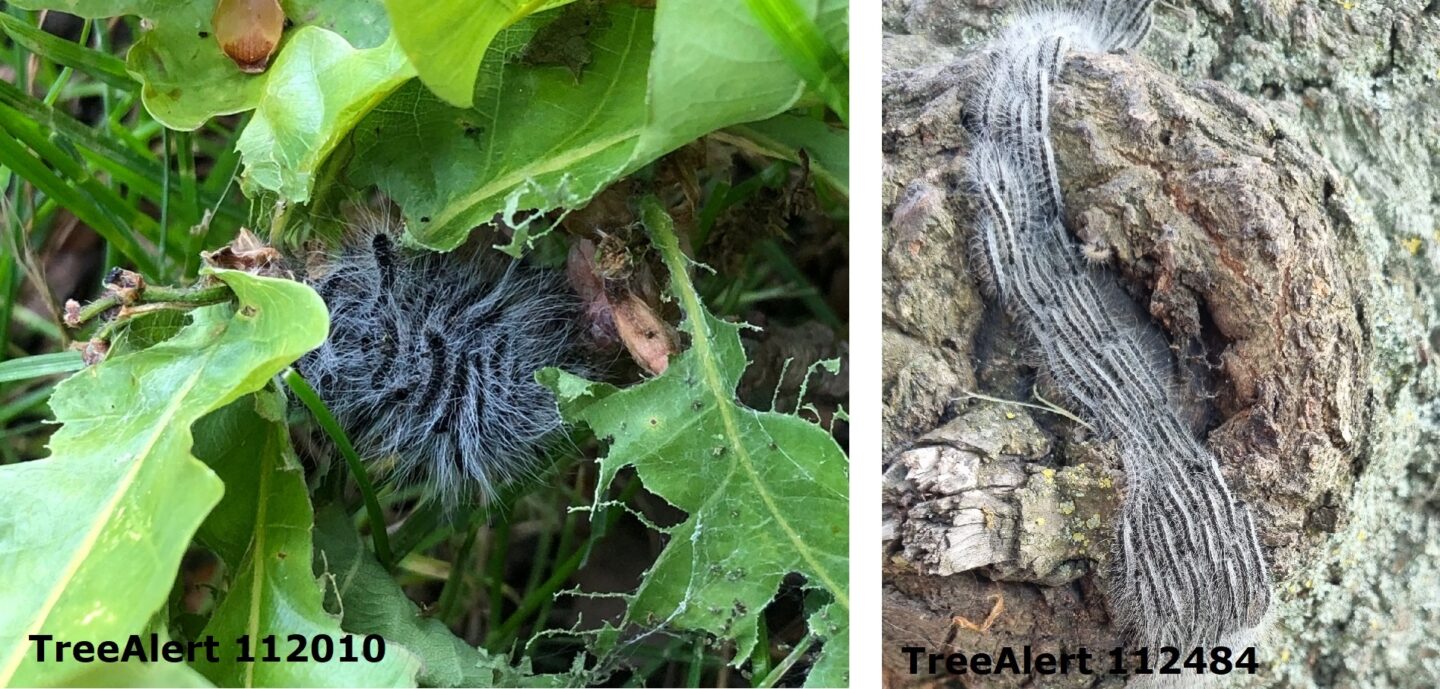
(661, 229)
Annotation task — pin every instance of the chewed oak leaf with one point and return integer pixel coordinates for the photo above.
(95, 558)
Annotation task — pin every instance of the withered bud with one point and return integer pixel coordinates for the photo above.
(125, 285)
(94, 352)
(72, 313)
(248, 253)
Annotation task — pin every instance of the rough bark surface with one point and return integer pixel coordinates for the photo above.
(1264, 180)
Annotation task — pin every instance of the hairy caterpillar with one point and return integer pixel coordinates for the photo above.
(1187, 568)
(429, 365)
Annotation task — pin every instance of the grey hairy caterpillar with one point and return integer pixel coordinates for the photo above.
(1187, 568)
(430, 361)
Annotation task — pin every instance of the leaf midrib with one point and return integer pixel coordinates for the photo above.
(713, 381)
(7, 672)
(257, 555)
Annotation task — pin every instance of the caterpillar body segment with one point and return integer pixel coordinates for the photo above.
(1187, 569)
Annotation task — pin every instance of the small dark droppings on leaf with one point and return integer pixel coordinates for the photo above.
(654, 421)
(424, 218)
(282, 555)
(289, 23)
(697, 405)
(774, 446)
(204, 34)
(248, 311)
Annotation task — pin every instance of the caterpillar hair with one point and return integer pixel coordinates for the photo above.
(429, 366)
(1187, 569)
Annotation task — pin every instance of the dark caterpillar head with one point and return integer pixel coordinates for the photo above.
(430, 362)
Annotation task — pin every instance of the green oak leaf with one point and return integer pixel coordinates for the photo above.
(535, 137)
(765, 492)
(549, 132)
(731, 72)
(185, 77)
(140, 676)
(271, 590)
(94, 533)
(447, 39)
(317, 90)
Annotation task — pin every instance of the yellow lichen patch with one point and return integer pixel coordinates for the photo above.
(1049, 475)
(1412, 245)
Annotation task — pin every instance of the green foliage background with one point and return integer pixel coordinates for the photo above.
(459, 113)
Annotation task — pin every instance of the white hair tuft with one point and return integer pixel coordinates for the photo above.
(1187, 568)
(429, 366)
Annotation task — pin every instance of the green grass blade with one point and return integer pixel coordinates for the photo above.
(327, 421)
(14, 156)
(40, 365)
(812, 57)
(786, 136)
(24, 403)
(106, 68)
(134, 166)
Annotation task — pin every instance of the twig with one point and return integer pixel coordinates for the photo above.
(1048, 406)
(148, 294)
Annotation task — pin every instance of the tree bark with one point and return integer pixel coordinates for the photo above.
(1263, 180)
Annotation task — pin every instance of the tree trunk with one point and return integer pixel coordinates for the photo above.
(1264, 180)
